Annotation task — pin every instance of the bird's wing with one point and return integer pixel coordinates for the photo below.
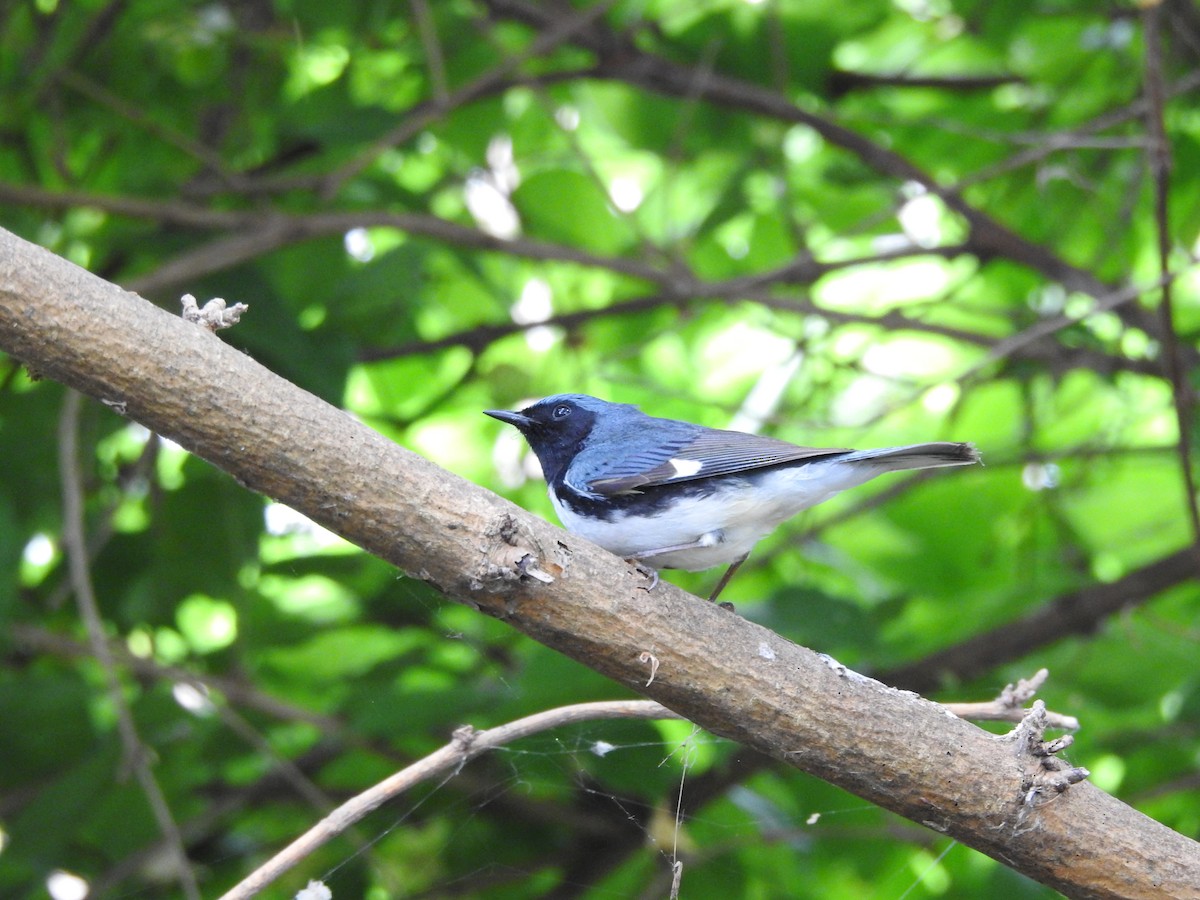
(704, 455)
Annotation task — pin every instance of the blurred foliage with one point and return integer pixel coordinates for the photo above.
(844, 224)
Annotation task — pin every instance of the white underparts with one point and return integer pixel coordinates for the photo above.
(699, 532)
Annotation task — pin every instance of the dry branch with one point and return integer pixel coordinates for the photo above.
(730, 676)
(464, 746)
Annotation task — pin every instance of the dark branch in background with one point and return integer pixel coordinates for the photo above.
(1084, 135)
(563, 30)
(1031, 345)
(1015, 346)
(1160, 168)
(620, 60)
(256, 233)
(843, 82)
(137, 116)
(480, 337)
(1079, 612)
(435, 59)
(135, 754)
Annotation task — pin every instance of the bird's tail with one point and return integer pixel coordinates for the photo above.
(917, 456)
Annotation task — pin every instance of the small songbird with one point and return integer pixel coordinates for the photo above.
(674, 495)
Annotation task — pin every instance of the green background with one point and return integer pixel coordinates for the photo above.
(841, 224)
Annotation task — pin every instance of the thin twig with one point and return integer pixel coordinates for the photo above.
(234, 690)
(136, 754)
(466, 744)
(1160, 168)
(137, 116)
(1066, 140)
(1009, 706)
(1007, 347)
(427, 29)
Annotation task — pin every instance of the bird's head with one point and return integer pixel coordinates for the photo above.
(557, 427)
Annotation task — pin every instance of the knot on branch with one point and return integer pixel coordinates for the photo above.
(463, 737)
(214, 315)
(1045, 776)
(512, 556)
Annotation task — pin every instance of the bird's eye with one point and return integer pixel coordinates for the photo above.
(561, 412)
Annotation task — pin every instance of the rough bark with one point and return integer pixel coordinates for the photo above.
(733, 677)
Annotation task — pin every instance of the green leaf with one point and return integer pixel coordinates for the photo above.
(561, 205)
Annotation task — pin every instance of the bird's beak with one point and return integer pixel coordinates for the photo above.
(512, 418)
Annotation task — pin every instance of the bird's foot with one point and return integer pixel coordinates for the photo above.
(648, 572)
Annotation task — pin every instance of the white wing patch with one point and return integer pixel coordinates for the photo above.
(686, 468)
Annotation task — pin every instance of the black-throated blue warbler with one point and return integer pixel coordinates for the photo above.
(674, 495)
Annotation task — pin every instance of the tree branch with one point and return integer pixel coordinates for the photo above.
(728, 675)
(135, 756)
(1160, 169)
(255, 233)
(1078, 612)
(466, 744)
(620, 60)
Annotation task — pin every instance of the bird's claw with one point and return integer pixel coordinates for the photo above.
(648, 572)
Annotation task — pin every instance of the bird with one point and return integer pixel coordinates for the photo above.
(668, 494)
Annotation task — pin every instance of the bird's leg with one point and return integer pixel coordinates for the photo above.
(733, 567)
(653, 574)
(708, 539)
(705, 540)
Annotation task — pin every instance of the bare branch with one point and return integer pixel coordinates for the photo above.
(466, 744)
(1009, 706)
(844, 82)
